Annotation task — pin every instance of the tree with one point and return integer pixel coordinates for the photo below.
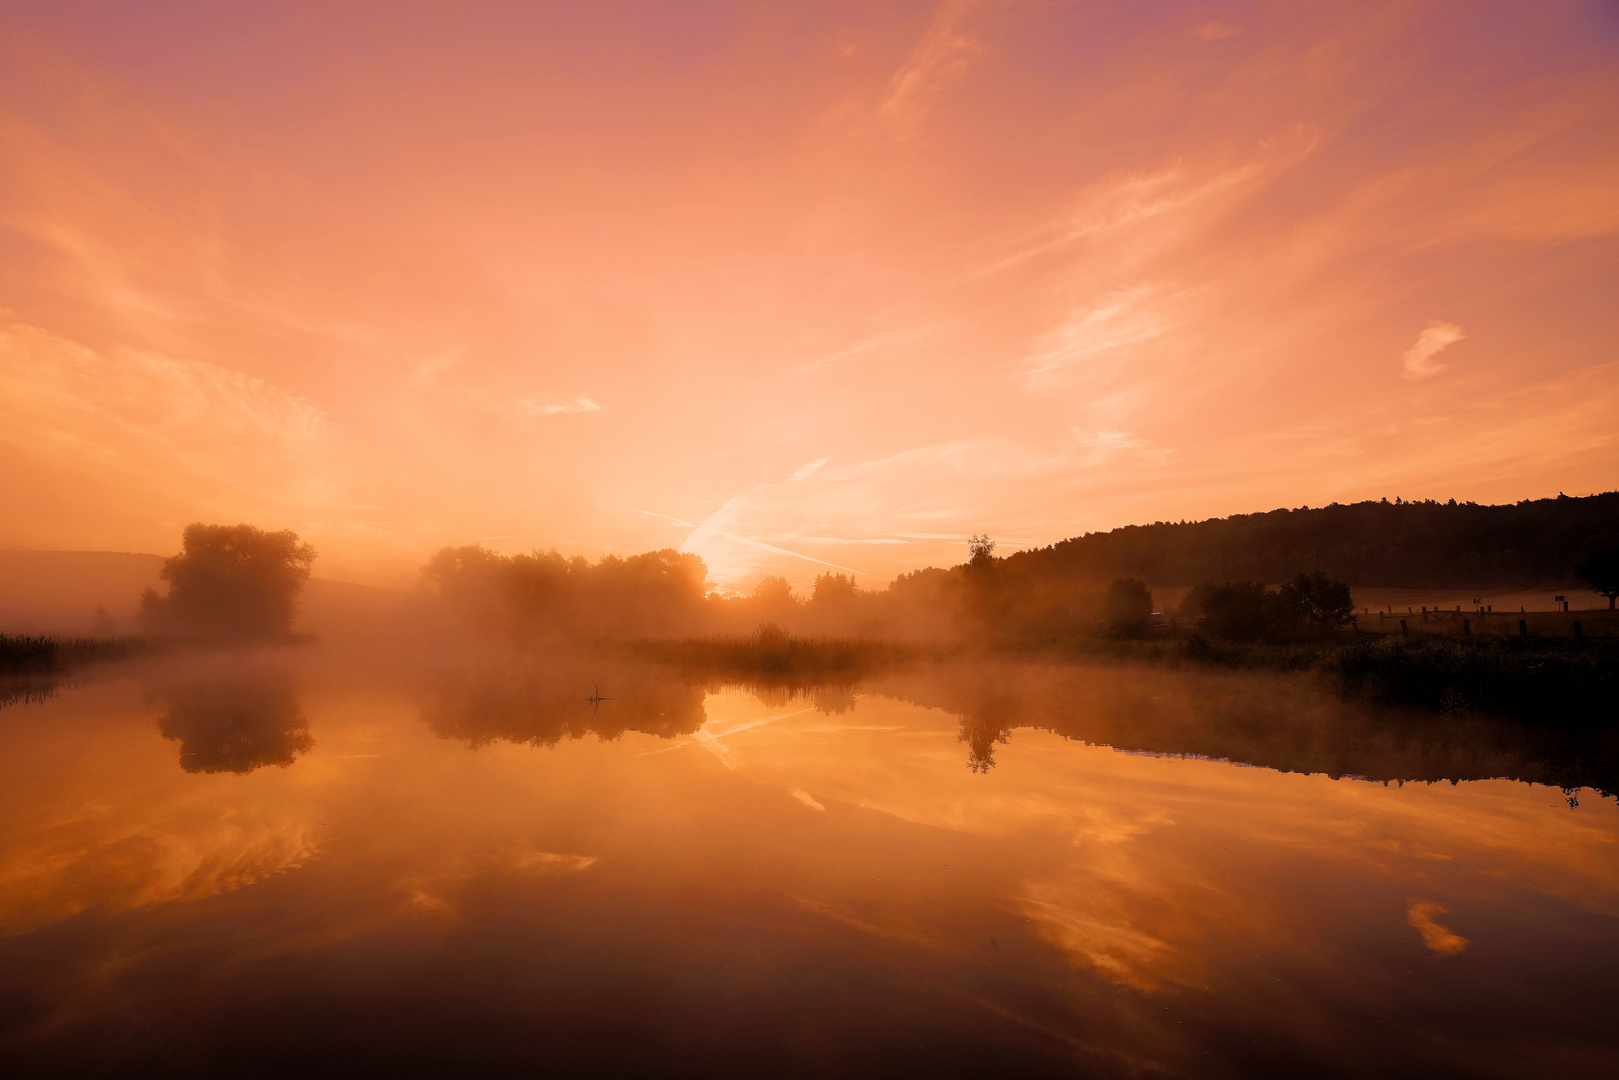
(1318, 602)
(1127, 606)
(230, 582)
(982, 549)
(1600, 570)
(1196, 599)
(774, 591)
(1241, 610)
(833, 590)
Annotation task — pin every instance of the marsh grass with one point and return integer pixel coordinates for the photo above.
(33, 669)
(26, 655)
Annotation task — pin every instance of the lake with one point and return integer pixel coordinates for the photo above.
(294, 862)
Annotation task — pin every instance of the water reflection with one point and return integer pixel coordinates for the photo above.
(1255, 719)
(781, 877)
(540, 701)
(233, 721)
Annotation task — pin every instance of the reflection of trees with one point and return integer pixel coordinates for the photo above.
(542, 701)
(986, 719)
(235, 723)
(1255, 718)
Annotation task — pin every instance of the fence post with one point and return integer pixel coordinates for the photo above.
(1578, 634)
(1467, 626)
(1523, 627)
(1405, 631)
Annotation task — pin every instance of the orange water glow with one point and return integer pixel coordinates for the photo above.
(793, 286)
(1069, 887)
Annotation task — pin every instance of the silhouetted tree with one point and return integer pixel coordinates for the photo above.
(1241, 611)
(773, 591)
(1600, 570)
(1318, 602)
(544, 594)
(1196, 600)
(833, 590)
(232, 582)
(1127, 606)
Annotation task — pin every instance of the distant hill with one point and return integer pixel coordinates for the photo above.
(1397, 544)
(58, 592)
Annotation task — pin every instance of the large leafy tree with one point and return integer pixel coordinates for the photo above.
(230, 582)
(1600, 570)
(1318, 602)
(1241, 611)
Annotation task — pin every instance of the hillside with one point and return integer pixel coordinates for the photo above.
(58, 592)
(1534, 543)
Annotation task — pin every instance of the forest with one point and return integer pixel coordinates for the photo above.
(1427, 544)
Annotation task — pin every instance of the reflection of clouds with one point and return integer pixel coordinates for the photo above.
(169, 854)
(1150, 871)
(1440, 939)
(436, 890)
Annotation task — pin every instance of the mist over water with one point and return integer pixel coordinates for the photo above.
(326, 859)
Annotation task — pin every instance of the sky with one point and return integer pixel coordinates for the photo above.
(796, 287)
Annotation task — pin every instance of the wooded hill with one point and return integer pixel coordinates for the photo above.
(1537, 542)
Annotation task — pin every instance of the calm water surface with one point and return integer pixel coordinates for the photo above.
(285, 864)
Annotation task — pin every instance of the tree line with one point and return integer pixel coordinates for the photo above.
(241, 583)
(1422, 544)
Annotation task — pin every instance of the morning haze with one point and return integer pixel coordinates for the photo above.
(930, 539)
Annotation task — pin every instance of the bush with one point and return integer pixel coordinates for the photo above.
(1242, 611)
(1127, 606)
(1317, 602)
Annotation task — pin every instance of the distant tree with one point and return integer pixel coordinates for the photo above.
(1600, 570)
(1318, 602)
(1127, 606)
(833, 590)
(230, 582)
(1195, 602)
(1241, 611)
(774, 591)
(982, 550)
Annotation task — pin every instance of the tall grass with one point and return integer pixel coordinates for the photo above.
(28, 655)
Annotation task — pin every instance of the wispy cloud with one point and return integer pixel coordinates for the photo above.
(1109, 443)
(1119, 319)
(528, 407)
(942, 54)
(804, 472)
(1124, 200)
(1419, 361)
(702, 539)
(1217, 31)
(870, 345)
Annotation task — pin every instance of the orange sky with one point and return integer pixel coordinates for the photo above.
(783, 283)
